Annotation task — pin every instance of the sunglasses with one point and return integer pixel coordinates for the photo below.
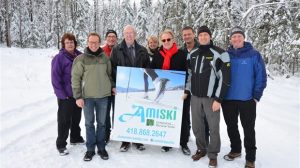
(164, 40)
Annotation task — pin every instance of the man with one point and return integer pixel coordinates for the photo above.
(92, 84)
(208, 80)
(190, 45)
(248, 81)
(131, 54)
(111, 41)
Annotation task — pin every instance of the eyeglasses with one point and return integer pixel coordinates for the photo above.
(164, 40)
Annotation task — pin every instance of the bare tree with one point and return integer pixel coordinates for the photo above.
(7, 23)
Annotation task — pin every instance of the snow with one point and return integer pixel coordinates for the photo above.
(28, 124)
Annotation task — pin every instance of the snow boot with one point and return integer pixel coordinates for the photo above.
(63, 151)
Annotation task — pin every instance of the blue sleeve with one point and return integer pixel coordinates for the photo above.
(260, 82)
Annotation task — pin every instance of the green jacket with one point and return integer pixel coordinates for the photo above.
(91, 75)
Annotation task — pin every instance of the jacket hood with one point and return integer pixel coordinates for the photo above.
(237, 52)
(64, 52)
(207, 46)
(196, 45)
(90, 53)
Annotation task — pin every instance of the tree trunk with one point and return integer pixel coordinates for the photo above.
(7, 24)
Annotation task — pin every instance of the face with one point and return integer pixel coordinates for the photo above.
(111, 39)
(167, 40)
(129, 35)
(69, 45)
(237, 40)
(188, 36)
(152, 44)
(93, 43)
(204, 38)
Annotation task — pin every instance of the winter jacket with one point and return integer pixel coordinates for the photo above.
(120, 57)
(248, 74)
(61, 67)
(91, 75)
(208, 72)
(177, 62)
(188, 54)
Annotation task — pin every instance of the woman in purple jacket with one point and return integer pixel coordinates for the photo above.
(69, 114)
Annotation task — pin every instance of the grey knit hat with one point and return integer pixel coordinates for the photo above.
(237, 29)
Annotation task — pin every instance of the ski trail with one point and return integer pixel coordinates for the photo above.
(27, 120)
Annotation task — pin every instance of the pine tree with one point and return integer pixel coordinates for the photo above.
(140, 22)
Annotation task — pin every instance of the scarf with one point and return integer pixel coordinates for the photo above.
(167, 54)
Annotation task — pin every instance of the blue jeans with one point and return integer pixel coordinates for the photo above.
(95, 137)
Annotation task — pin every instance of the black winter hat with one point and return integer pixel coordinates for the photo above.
(237, 29)
(111, 31)
(204, 29)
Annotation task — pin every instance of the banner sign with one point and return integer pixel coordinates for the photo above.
(148, 106)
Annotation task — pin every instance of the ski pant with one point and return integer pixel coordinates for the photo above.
(186, 122)
(202, 107)
(68, 117)
(152, 74)
(247, 111)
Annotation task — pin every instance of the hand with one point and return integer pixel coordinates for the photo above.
(184, 96)
(114, 91)
(216, 106)
(80, 103)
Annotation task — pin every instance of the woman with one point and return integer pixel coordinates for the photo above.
(169, 57)
(69, 114)
(152, 47)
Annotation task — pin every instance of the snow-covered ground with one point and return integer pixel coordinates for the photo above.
(28, 124)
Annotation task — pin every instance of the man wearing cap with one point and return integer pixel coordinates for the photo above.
(130, 54)
(111, 40)
(208, 80)
(248, 81)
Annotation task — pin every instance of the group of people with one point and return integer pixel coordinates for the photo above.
(233, 80)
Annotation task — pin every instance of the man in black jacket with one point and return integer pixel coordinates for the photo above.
(130, 54)
(208, 81)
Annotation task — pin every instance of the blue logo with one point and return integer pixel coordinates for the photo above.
(148, 113)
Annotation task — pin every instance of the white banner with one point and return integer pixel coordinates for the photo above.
(148, 116)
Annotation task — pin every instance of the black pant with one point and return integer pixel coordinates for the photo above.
(186, 122)
(68, 117)
(111, 103)
(247, 112)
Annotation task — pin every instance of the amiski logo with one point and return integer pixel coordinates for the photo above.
(148, 113)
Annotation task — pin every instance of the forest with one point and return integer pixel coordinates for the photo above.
(273, 26)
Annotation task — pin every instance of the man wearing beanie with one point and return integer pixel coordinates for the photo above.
(208, 80)
(248, 81)
(111, 40)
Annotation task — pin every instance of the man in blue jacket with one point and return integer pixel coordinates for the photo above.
(248, 81)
